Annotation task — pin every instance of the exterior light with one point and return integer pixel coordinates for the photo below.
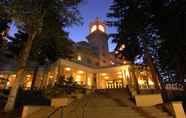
(79, 58)
(122, 47)
(14, 75)
(151, 82)
(28, 76)
(51, 76)
(80, 72)
(119, 73)
(120, 76)
(103, 74)
(67, 69)
(116, 52)
(106, 77)
(89, 81)
(1, 76)
(112, 62)
(78, 78)
(141, 82)
(124, 62)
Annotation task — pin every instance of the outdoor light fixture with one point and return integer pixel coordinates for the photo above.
(1, 76)
(106, 77)
(116, 52)
(103, 74)
(28, 76)
(151, 82)
(119, 73)
(80, 72)
(79, 58)
(141, 82)
(112, 62)
(119, 76)
(67, 69)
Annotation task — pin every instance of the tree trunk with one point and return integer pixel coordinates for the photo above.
(24, 54)
(34, 77)
(149, 62)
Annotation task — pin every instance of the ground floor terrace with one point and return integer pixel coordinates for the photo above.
(135, 77)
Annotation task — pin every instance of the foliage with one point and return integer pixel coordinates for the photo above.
(157, 26)
(131, 32)
(63, 87)
(30, 16)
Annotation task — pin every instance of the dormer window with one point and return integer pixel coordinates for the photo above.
(101, 28)
(94, 28)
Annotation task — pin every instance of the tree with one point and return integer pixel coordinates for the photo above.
(30, 14)
(138, 36)
(158, 32)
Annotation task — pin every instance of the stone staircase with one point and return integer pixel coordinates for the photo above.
(103, 104)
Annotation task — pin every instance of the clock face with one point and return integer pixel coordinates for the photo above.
(101, 28)
(94, 28)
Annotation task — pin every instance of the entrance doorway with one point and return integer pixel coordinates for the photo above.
(114, 84)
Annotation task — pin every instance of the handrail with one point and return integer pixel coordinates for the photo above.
(62, 108)
(57, 109)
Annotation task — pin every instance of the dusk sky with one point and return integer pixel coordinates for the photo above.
(90, 9)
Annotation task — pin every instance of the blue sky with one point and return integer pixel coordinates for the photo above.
(90, 9)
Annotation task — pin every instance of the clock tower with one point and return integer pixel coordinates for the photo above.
(98, 39)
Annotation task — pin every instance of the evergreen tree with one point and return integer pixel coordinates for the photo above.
(30, 16)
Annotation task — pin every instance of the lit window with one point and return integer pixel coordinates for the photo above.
(101, 28)
(94, 28)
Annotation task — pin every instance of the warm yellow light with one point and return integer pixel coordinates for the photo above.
(28, 84)
(122, 47)
(127, 73)
(13, 75)
(80, 72)
(94, 28)
(120, 76)
(141, 82)
(106, 77)
(103, 74)
(28, 76)
(116, 52)
(151, 82)
(119, 73)
(112, 62)
(1, 76)
(78, 78)
(8, 83)
(79, 58)
(101, 28)
(51, 76)
(67, 69)
(89, 81)
(124, 62)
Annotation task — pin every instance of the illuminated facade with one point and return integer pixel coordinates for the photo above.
(96, 68)
(93, 67)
